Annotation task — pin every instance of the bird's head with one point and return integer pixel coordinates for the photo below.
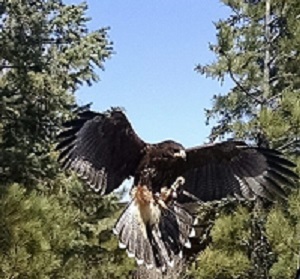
(172, 150)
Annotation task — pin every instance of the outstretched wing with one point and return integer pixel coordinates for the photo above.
(233, 168)
(102, 148)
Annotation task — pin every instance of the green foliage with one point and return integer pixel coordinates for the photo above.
(283, 227)
(236, 235)
(44, 58)
(230, 236)
(46, 236)
(257, 48)
(34, 234)
(51, 226)
(215, 265)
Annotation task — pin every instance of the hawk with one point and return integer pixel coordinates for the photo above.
(104, 150)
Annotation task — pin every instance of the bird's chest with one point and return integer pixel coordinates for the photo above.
(154, 177)
(146, 176)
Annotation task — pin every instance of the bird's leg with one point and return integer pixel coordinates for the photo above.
(160, 201)
(167, 194)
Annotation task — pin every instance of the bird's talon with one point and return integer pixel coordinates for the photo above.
(180, 180)
(171, 193)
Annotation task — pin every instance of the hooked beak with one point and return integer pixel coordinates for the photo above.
(180, 154)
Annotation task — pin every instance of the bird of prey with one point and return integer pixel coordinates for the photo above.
(104, 150)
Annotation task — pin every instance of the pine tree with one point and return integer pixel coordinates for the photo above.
(51, 236)
(46, 52)
(257, 49)
(51, 226)
(282, 229)
(225, 257)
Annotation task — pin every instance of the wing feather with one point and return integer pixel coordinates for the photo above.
(233, 168)
(102, 148)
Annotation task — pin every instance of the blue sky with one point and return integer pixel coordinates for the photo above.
(157, 44)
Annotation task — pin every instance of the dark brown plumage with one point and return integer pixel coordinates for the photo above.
(104, 150)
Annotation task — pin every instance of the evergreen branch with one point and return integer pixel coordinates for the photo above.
(288, 144)
(9, 67)
(238, 84)
(35, 68)
(271, 102)
(274, 38)
(287, 75)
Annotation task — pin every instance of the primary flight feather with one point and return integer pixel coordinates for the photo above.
(104, 150)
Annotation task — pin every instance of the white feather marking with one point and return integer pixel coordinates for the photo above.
(192, 233)
(149, 266)
(161, 270)
(139, 261)
(187, 244)
(171, 263)
(130, 255)
(122, 245)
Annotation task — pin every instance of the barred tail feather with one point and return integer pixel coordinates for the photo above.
(155, 244)
(175, 272)
(132, 235)
(176, 226)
